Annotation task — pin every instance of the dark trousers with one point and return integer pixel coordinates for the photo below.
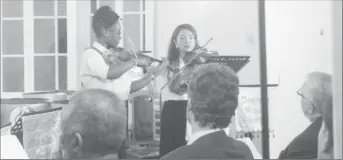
(122, 154)
(173, 126)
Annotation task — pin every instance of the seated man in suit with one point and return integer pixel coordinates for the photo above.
(315, 93)
(92, 125)
(213, 98)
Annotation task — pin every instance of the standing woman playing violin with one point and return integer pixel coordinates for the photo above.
(98, 71)
(173, 117)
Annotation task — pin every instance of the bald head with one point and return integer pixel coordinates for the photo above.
(92, 125)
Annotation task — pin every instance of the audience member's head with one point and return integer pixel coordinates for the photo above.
(325, 136)
(315, 93)
(213, 97)
(92, 125)
(106, 26)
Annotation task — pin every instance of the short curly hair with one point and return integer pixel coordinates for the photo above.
(104, 17)
(99, 116)
(213, 95)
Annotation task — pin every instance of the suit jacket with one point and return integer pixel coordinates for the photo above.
(215, 145)
(304, 146)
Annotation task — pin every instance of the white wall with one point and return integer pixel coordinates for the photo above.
(337, 76)
(295, 46)
(294, 31)
(83, 18)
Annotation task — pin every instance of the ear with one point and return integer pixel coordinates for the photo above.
(326, 136)
(76, 142)
(190, 116)
(104, 31)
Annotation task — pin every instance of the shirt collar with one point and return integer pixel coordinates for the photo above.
(195, 136)
(100, 47)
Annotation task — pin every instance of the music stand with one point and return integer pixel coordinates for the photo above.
(234, 62)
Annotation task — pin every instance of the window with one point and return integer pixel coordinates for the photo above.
(12, 46)
(34, 57)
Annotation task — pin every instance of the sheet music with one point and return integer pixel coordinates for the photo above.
(252, 147)
(41, 134)
(11, 148)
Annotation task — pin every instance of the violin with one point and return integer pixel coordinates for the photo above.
(178, 83)
(201, 57)
(192, 60)
(125, 56)
(149, 61)
(121, 55)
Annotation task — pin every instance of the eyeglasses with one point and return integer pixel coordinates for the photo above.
(302, 96)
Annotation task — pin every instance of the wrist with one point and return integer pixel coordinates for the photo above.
(134, 62)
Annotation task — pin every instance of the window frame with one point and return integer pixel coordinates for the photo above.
(28, 47)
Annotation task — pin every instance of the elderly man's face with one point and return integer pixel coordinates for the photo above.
(307, 104)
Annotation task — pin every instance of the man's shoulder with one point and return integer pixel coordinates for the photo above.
(306, 138)
(181, 153)
(304, 145)
(243, 148)
(200, 151)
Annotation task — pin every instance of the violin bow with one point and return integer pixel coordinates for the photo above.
(134, 51)
(133, 47)
(207, 42)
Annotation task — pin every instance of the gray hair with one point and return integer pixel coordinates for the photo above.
(213, 95)
(99, 116)
(321, 89)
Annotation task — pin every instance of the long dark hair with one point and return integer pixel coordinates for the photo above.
(173, 52)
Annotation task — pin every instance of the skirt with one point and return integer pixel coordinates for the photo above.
(173, 126)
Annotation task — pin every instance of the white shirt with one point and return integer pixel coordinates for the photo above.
(195, 136)
(93, 73)
(11, 148)
(247, 141)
